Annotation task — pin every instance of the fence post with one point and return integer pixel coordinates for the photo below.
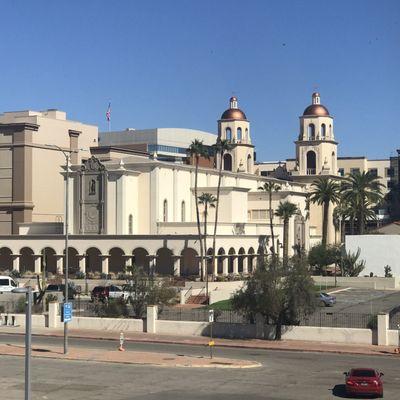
(383, 326)
(151, 321)
(53, 314)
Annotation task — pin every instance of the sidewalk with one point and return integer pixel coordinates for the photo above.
(288, 345)
(128, 357)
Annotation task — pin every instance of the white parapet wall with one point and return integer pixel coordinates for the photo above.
(378, 283)
(377, 251)
(107, 324)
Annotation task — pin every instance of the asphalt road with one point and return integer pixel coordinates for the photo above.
(283, 375)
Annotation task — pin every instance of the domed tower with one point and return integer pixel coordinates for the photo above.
(316, 148)
(235, 128)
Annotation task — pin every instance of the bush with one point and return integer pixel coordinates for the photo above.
(15, 274)
(388, 272)
(113, 308)
(321, 256)
(80, 275)
(20, 305)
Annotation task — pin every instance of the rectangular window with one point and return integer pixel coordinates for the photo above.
(341, 171)
(373, 171)
(354, 170)
(258, 214)
(389, 171)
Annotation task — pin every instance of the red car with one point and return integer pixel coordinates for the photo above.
(364, 381)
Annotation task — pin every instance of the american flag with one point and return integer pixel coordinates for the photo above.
(108, 113)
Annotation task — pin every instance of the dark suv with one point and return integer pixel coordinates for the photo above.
(72, 290)
(100, 293)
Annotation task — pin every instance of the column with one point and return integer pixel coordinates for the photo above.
(15, 261)
(235, 265)
(215, 266)
(177, 265)
(59, 268)
(382, 329)
(104, 263)
(38, 263)
(224, 265)
(82, 262)
(245, 264)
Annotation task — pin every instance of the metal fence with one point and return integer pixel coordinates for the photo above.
(333, 320)
(18, 307)
(201, 315)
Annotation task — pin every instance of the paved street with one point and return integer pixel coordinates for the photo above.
(284, 375)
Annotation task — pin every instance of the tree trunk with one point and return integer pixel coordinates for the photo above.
(342, 230)
(352, 225)
(361, 226)
(325, 223)
(216, 211)
(271, 223)
(198, 219)
(285, 242)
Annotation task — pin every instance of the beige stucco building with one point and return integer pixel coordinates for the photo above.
(126, 203)
(30, 186)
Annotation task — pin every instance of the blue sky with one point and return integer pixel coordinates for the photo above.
(175, 63)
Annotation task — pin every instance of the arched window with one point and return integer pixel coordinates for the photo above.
(330, 131)
(183, 212)
(249, 164)
(311, 163)
(323, 131)
(311, 132)
(92, 187)
(130, 224)
(228, 134)
(246, 134)
(239, 133)
(227, 162)
(165, 211)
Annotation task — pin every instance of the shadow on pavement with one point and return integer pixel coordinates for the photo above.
(339, 391)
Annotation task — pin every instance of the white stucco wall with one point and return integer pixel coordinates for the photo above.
(377, 251)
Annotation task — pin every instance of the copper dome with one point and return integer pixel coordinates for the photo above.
(233, 113)
(316, 109)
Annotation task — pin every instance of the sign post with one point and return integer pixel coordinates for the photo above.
(211, 343)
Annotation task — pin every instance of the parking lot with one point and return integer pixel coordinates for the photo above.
(364, 301)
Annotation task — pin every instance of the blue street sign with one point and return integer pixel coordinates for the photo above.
(66, 312)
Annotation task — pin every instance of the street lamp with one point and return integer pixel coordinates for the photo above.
(28, 337)
(67, 154)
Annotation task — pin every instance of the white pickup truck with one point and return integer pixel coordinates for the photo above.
(7, 284)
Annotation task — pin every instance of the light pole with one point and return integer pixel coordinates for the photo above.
(28, 337)
(66, 154)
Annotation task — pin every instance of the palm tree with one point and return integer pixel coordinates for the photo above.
(221, 147)
(197, 150)
(325, 191)
(362, 191)
(286, 210)
(271, 187)
(208, 201)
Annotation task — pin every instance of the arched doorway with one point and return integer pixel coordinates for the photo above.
(189, 262)
(93, 260)
(230, 260)
(116, 262)
(250, 260)
(141, 259)
(220, 262)
(49, 260)
(6, 262)
(311, 162)
(240, 260)
(26, 260)
(73, 261)
(227, 162)
(165, 262)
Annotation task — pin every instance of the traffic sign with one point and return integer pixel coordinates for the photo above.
(66, 312)
(210, 315)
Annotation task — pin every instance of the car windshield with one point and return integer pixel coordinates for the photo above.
(325, 294)
(363, 373)
(52, 287)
